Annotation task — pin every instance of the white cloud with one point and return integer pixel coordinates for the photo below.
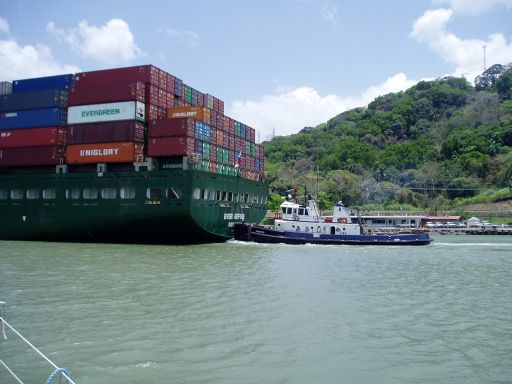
(466, 54)
(289, 111)
(111, 44)
(183, 37)
(27, 61)
(4, 25)
(330, 13)
(475, 7)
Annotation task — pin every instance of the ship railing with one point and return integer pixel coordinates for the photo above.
(59, 375)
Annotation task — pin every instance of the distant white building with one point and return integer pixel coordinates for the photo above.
(382, 221)
(473, 222)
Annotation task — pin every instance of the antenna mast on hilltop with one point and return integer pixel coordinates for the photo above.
(485, 66)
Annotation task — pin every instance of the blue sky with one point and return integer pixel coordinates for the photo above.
(278, 65)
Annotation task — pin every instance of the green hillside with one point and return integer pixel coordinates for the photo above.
(437, 142)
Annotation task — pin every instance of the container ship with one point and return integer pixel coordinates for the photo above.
(124, 155)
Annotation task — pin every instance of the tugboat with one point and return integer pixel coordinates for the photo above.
(303, 224)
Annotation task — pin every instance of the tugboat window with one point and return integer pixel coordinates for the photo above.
(49, 194)
(196, 194)
(289, 211)
(32, 194)
(224, 195)
(230, 196)
(301, 211)
(218, 195)
(3, 194)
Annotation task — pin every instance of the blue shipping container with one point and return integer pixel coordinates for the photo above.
(32, 118)
(178, 87)
(199, 147)
(41, 83)
(50, 98)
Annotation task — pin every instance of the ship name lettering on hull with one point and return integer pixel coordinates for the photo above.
(234, 216)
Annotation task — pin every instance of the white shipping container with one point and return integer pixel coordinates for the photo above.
(5, 88)
(97, 113)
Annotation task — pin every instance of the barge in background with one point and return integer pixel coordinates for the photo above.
(302, 224)
(130, 155)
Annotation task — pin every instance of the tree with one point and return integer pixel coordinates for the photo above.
(489, 78)
(475, 164)
(275, 202)
(462, 187)
(431, 174)
(504, 85)
(343, 185)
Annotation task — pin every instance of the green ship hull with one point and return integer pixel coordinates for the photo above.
(164, 206)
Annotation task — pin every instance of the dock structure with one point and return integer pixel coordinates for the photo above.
(473, 231)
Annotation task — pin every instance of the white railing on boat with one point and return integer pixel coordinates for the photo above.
(60, 374)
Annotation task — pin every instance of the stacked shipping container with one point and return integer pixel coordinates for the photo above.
(107, 114)
(33, 116)
(221, 144)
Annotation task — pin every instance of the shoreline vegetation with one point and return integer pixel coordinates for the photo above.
(442, 146)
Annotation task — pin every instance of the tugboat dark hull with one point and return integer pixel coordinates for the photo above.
(259, 234)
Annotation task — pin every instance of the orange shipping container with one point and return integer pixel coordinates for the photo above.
(124, 152)
(197, 113)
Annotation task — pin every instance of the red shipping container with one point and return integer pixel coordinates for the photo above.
(171, 146)
(107, 93)
(220, 138)
(252, 134)
(33, 137)
(172, 128)
(159, 96)
(240, 144)
(142, 73)
(126, 152)
(30, 156)
(213, 135)
(213, 152)
(178, 102)
(231, 140)
(154, 113)
(116, 131)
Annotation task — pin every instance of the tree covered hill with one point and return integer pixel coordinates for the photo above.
(438, 140)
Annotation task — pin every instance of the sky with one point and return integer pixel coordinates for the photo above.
(278, 65)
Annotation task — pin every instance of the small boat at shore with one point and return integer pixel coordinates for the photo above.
(303, 224)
